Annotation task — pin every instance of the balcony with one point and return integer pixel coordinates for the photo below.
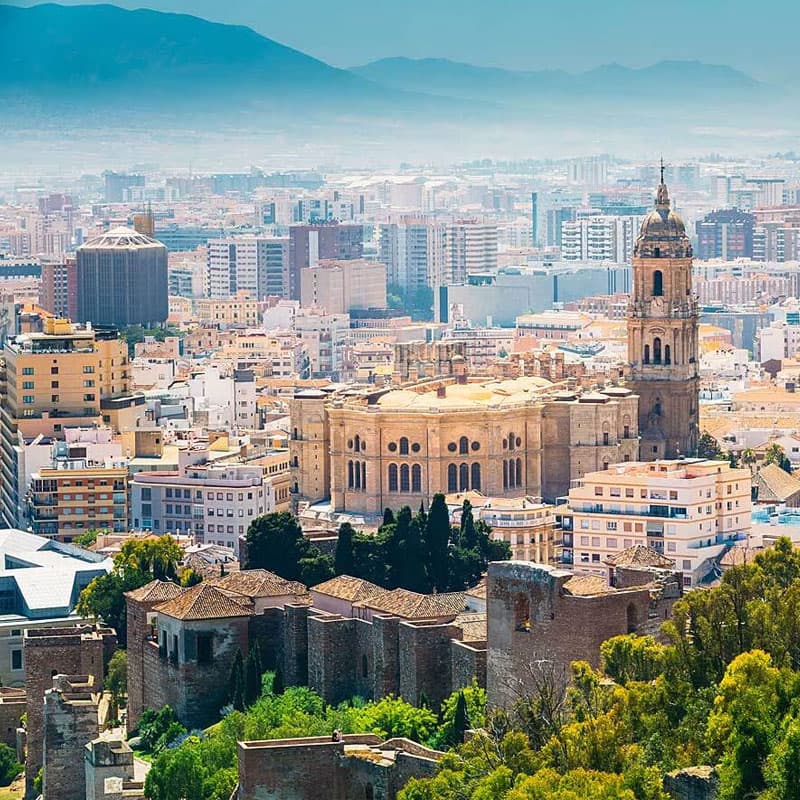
(663, 512)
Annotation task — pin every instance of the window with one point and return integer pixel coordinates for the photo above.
(416, 478)
(205, 652)
(611, 526)
(16, 660)
(657, 350)
(27, 399)
(88, 384)
(54, 370)
(598, 491)
(452, 478)
(658, 283)
(463, 478)
(88, 370)
(611, 544)
(403, 446)
(405, 482)
(393, 477)
(27, 370)
(476, 477)
(687, 564)
(54, 398)
(27, 384)
(646, 358)
(463, 446)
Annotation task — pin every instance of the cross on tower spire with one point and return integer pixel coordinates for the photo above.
(662, 169)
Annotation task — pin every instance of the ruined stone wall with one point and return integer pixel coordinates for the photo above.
(78, 650)
(106, 758)
(531, 621)
(385, 656)
(12, 707)
(468, 662)
(426, 660)
(694, 783)
(70, 721)
(332, 656)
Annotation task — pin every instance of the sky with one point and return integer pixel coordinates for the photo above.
(521, 34)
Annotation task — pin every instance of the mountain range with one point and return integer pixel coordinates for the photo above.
(104, 55)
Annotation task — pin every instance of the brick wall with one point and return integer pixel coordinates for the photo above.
(385, 656)
(12, 707)
(468, 662)
(426, 660)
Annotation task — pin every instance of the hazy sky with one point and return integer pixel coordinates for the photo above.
(571, 34)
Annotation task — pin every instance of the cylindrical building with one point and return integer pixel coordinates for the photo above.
(122, 279)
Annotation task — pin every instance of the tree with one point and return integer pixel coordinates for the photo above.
(117, 678)
(708, 447)
(437, 539)
(748, 458)
(775, 454)
(388, 516)
(237, 689)
(343, 562)
(632, 658)
(138, 562)
(275, 542)
(10, 768)
(468, 534)
(253, 673)
(157, 729)
(278, 685)
(86, 539)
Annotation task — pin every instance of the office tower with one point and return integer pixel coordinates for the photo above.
(556, 217)
(535, 219)
(343, 286)
(122, 279)
(725, 234)
(662, 335)
(258, 266)
(308, 244)
(59, 290)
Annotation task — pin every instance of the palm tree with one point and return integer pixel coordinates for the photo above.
(748, 458)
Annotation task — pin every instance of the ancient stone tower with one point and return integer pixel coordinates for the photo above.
(662, 334)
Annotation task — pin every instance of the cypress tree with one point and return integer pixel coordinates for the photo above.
(437, 540)
(388, 516)
(343, 560)
(253, 672)
(277, 682)
(460, 719)
(468, 533)
(236, 697)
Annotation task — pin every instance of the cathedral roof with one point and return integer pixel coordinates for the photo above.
(663, 233)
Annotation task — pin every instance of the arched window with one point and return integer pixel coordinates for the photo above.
(350, 480)
(512, 474)
(519, 472)
(647, 354)
(463, 446)
(357, 443)
(392, 477)
(476, 477)
(405, 481)
(657, 407)
(658, 283)
(667, 355)
(416, 478)
(505, 474)
(364, 475)
(357, 483)
(452, 478)
(511, 438)
(463, 478)
(605, 464)
(403, 446)
(657, 350)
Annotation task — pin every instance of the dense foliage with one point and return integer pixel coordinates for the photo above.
(724, 691)
(421, 552)
(202, 765)
(10, 768)
(275, 542)
(138, 562)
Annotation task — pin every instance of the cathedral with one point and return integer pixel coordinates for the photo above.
(662, 335)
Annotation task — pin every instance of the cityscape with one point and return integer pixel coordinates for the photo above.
(398, 403)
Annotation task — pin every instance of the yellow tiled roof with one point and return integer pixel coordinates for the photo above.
(259, 583)
(205, 601)
(346, 587)
(155, 591)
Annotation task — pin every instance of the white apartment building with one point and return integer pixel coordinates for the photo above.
(325, 337)
(599, 238)
(343, 286)
(780, 340)
(690, 510)
(215, 503)
(404, 249)
(256, 265)
(470, 248)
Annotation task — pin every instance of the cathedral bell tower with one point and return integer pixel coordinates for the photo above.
(662, 335)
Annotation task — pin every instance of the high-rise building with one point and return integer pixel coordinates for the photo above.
(662, 335)
(556, 217)
(310, 243)
(470, 248)
(404, 248)
(343, 286)
(59, 290)
(122, 279)
(598, 238)
(54, 380)
(256, 265)
(535, 219)
(725, 234)
(118, 184)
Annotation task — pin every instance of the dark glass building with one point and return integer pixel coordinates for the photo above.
(122, 280)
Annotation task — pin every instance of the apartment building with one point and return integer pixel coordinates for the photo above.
(216, 503)
(257, 265)
(240, 309)
(64, 377)
(343, 286)
(599, 238)
(689, 510)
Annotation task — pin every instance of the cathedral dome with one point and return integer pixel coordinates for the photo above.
(663, 233)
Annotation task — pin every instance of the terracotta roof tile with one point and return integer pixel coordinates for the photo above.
(775, 484)
(411, 605)
(346, 587)
(205, 601)
(640, 556)
(259, 583)
(155, 591)
(586, 585)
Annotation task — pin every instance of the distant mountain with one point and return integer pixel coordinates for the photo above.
(102, 53)
(667, 80)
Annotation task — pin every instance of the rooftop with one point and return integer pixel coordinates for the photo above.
(260, 583)
(205, 601)
(345, 587)
(640, 556)
(412, 605)
(121, 238)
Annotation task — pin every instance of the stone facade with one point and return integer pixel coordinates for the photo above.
(108, 765)
(12, 707)
(539, 615)
(662, 335)
(70, 720)
(79, 650)
(694, 783)
(355, 767)
(510, 438)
